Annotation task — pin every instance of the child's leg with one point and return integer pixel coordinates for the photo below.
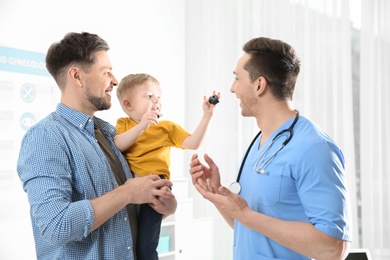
(149, 225)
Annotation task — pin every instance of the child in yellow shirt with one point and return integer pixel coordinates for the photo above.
(145, 142)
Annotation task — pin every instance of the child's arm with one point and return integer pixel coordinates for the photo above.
(124, 140)
(193, 141)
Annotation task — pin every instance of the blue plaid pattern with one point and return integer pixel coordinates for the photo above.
(62, 167)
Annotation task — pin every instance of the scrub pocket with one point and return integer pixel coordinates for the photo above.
(268, 187)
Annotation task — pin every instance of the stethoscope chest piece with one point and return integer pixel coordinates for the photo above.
(235, 187)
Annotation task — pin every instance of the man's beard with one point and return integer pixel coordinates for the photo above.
(98, 102)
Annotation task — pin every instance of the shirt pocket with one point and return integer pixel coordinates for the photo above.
(267, 187)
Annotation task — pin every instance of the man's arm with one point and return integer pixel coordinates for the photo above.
(300, 237)
(44, 169)
(140, 190)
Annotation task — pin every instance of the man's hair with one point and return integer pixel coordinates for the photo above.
(276, 61)
(74, 49)
(131, 81)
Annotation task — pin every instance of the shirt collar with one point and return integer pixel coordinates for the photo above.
(105, 127)
(83, 121)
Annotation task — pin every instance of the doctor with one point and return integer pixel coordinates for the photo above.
(292, 201)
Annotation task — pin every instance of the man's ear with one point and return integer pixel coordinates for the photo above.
(74, 75)
(262, 84)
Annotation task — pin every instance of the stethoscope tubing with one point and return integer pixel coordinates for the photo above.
(235, 186)
(246, 155)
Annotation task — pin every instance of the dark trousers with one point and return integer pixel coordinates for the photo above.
(148, 235)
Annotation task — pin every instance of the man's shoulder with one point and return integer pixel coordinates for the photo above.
(52, 124)
(45, 122)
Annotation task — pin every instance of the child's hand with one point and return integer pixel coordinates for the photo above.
(148, 118)
(210, 103)
(214, 99)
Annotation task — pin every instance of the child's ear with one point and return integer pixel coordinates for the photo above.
(126, 104)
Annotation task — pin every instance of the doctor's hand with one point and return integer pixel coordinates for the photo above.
(199, 172)
(228, 203)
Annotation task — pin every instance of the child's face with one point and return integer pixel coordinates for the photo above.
(144, 98)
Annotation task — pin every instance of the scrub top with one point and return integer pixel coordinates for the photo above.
(305, 182)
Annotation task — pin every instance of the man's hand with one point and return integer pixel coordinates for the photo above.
(170, 204)
(149, 189)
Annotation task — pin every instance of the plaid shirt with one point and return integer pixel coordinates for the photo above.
(62, 168)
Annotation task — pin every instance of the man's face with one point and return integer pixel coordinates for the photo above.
(243, 87)
(99, 83)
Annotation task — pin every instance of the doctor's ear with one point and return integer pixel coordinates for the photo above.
(261, 83)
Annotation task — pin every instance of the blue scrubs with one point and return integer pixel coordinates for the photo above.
(304, 182)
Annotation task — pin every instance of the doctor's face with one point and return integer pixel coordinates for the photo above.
(244, 88)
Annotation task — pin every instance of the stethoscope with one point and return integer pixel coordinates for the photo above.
(236, 186)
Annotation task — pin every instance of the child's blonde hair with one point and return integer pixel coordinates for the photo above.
(131, 81)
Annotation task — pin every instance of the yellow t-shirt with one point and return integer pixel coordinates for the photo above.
(150, 153)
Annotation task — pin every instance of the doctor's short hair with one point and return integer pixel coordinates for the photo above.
(276, 61)
(131, 81)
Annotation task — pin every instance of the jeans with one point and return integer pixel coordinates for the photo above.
(149, 225)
